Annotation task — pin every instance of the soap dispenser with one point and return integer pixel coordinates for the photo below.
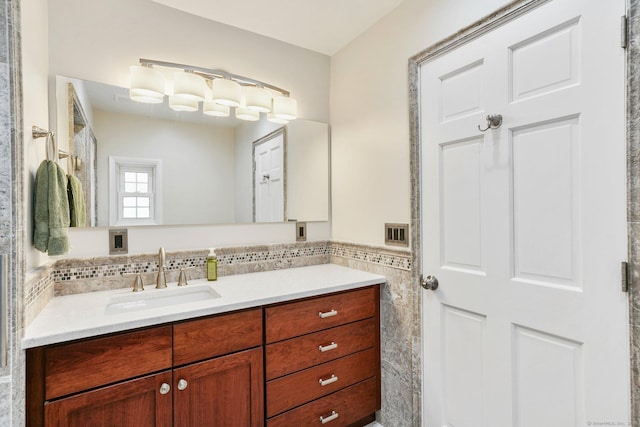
(212, 265)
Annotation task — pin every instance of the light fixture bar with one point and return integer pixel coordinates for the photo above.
(211, 74)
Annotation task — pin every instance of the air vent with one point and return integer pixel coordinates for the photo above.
(396, 234)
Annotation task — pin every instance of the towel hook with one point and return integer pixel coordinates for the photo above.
(494, 121)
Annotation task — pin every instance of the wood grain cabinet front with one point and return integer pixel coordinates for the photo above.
(133, 379)
(312, 361)
(322, 359)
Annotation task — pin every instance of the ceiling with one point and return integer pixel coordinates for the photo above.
(323, 26)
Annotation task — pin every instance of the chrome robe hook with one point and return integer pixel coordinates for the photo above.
(494, 121)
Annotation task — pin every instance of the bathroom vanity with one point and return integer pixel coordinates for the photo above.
(280, 348)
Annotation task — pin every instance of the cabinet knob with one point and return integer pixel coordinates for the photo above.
(182, 384)
(331, 417)
(165, 388)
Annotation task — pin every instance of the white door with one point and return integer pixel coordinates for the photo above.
(524, 225)
(269, 180)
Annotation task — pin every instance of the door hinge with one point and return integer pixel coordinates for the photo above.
(624, 32)
(624, 274)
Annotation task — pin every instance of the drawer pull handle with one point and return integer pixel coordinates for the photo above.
(331, 346)
(331, 417)
(328, 314)
(165, 388)
(182, 384)
(328, 381)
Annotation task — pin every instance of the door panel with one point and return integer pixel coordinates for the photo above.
(547, 379)
(524, 226)
(464, 357)
(546, 190)
(461, 195)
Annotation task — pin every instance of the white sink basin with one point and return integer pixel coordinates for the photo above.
(159, 298)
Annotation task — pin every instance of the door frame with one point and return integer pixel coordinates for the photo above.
(475, 30)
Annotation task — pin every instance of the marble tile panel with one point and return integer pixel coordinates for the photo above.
(400, 341)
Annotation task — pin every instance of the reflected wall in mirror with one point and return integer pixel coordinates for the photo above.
(154, 165)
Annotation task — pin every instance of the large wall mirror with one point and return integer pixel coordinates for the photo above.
(145, 164)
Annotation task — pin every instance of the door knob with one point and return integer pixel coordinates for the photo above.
(182, 384)
(430, 283)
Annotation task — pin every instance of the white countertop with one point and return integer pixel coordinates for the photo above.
(77, 316)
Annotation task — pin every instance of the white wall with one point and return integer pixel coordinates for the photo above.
(204, 158)
(99, 40)
(35, 66)
(370, 114)
(307, 171)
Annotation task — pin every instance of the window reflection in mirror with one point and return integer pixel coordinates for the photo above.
(207, 162)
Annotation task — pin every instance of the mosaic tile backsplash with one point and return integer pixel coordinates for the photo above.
(71, 276)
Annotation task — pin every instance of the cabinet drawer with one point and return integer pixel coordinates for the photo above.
(341, 408)
(293, 390)
(201, 339)
(292, 355)
(299, 318)
(82, 365)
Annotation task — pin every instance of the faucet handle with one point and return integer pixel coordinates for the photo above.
(182, 279)
(137, 283)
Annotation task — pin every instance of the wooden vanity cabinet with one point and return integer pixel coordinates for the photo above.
(306, 362)
(322, 358)
(183, 374)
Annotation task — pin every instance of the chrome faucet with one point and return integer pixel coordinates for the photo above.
(161, 281)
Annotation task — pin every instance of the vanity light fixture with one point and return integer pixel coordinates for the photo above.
(226, 92)
(147, 84)
(257, 98)
(178, 103)
(218, 90)
(244, 113)
(272, 118)
(285, 108)
(188, 85)
(210, 108)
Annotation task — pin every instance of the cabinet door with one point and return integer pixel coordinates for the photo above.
(135, 403)
(226, 391)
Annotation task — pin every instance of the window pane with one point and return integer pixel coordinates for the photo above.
(143, 188)
(143, 212)
(143, 177)
(130, 177)
(128, 201)
(143, 201)
(129, 213)
(130, 187)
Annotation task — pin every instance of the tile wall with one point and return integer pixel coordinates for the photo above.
(399, 321)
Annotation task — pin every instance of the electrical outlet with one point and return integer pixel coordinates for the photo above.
(301, 231)
(118, 242)
(396, 234)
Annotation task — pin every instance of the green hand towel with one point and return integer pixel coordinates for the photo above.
(41, 197)
(51, 209)
(77, 206)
